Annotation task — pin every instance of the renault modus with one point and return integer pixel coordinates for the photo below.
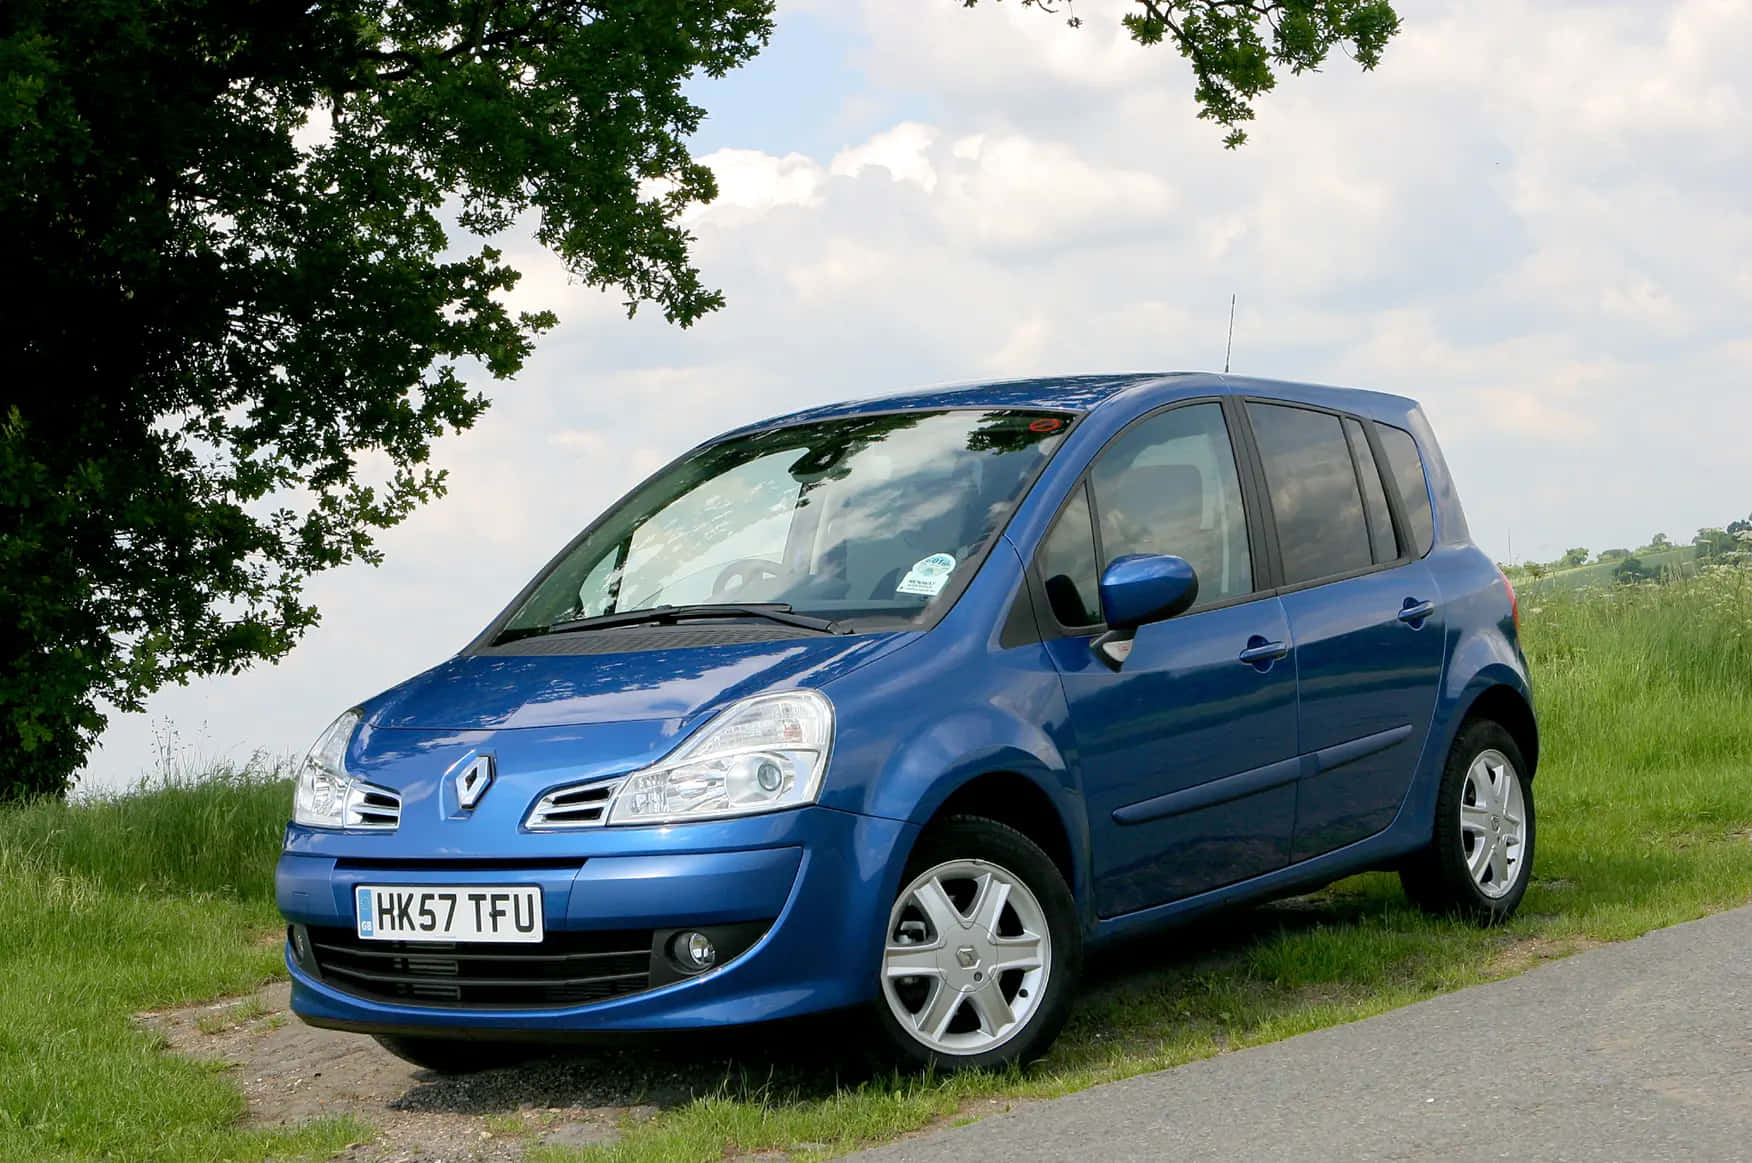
(902, 705)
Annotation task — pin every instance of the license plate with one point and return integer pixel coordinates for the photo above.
(420, 912)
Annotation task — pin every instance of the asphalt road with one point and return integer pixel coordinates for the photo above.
(1640, 1050)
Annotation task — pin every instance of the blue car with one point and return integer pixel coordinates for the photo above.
(903, 704)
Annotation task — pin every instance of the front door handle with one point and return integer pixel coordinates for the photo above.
(1413, 612)
(1259, 650)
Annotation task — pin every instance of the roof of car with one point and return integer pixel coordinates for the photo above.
(1084, 393)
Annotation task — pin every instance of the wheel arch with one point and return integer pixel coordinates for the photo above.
(1013, 799)
(1505, 704)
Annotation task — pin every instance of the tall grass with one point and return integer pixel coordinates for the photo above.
(1646, 677)
(216, 835)
(119, 904)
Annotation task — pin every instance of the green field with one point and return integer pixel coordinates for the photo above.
(1645, 812)
(1679, 560)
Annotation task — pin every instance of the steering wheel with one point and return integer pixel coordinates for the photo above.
(742, 573)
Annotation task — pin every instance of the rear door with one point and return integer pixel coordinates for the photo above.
(1187, 753)
(1364, 614)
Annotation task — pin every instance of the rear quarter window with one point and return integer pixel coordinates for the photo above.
(1405, 468)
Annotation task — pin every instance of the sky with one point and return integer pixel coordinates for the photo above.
(1533, 217)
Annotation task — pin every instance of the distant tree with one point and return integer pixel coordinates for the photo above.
(1659, 541)
(1613, 554)
(1572, 557)
(1713, 543)
(241, 306)
(1631, 570)
(1238, 47)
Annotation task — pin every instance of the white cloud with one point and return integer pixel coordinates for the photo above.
(901, 151)
(754, 181)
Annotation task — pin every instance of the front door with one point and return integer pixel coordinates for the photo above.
(1187, 754)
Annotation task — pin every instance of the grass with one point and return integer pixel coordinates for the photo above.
(1645, 698)
(116, 906)
(232, 1017)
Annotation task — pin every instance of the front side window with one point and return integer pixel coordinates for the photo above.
(1067, 565)
(1407, 470)
(1314, 496)
(872, 516)
(1168, 484)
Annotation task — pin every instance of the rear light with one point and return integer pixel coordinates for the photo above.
(1514, 602)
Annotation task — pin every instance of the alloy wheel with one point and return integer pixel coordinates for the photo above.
(1493, 823)
(967, 957)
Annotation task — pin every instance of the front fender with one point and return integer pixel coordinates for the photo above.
(922, 722)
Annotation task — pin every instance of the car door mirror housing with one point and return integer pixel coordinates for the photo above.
(1141, 588)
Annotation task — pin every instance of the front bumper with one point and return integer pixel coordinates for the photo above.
(817, 883)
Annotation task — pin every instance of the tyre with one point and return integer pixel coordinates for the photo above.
(452, 1055)
(982, 949)
(1481, 852)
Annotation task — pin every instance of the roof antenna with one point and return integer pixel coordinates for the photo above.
(1230, 345)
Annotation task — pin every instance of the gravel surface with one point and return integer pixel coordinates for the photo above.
(290, 1072)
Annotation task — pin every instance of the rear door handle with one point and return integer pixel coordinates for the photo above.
(1259, 650)
(1415, 611)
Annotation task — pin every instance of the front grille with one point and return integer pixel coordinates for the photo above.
(376, 808)
(565, 969)
(581, 805)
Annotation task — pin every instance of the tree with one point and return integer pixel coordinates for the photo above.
(1713, 544)
(234, 285)
(1659, 541)
(1631, 571)
(1237, 47)
(1573, 557)
(1613, 555)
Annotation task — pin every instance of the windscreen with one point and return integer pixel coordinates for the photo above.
(862, 517)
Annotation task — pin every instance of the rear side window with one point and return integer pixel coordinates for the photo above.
(1321, 526)
(1067, 565)
(1381, 538)
(1407, 471)
(1168, 484)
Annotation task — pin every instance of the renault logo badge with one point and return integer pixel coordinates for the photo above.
(472, 781)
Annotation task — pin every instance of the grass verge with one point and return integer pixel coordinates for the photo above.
(115, 906)
(1645, 810)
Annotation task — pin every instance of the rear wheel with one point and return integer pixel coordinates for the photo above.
(982, 949)
(1481, 853)
(452, 1055)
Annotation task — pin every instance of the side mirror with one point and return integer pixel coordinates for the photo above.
(1136, 590)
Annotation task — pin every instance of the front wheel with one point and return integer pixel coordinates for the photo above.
(982, 949)
(1481, 853)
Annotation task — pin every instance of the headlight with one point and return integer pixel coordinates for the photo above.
(759, 755)
(327, 797)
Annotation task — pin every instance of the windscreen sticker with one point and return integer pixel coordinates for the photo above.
(928, 575)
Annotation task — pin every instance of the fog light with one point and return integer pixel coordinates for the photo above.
(300, 944)
(694, 951)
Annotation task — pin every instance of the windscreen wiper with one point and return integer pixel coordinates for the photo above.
(779, 612)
